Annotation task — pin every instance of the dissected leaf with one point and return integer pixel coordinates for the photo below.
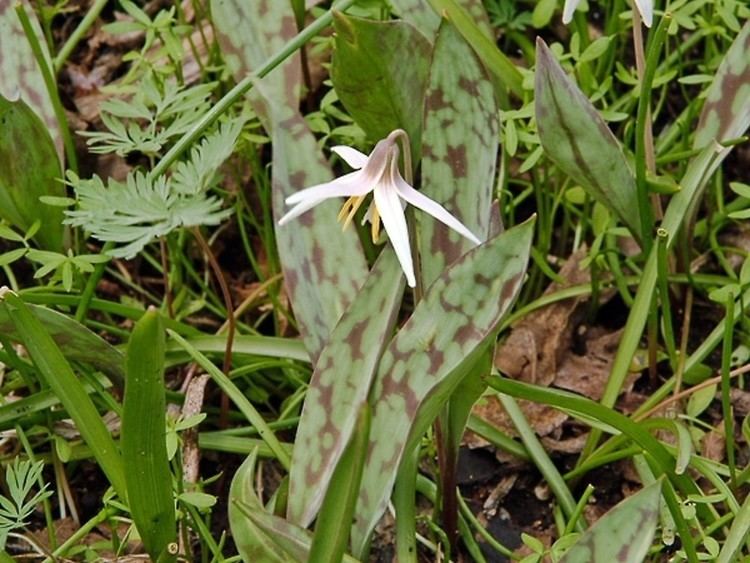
(726, 113)
(578, 140)
(19, 72)
(460, 145)
(29, 169)
(448, 331)
(323, 266)
(623, 534)
(339, 386)
(76, 341)
(380, 74)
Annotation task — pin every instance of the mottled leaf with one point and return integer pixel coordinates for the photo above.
(252, 543)
(726, 113)
(261, 537)
(420, 14)
(578, 140)
(460, 145)
(29, 169)
(380, 73)
(323, 266)
(507, 76)
(19, 72)
(623, 534)
(339, 386)
(76, 341)
(448, 331)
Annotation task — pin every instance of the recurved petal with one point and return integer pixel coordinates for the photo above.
(351, 156)
(427, 205)
(646, 9)
(299, 209)
(568, 9)
(392, 215)
(348, 185)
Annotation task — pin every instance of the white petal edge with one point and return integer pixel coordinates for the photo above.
(432, 207)
(351, 156)
(298, 210)
(646, 9)
(389, 207)
(348, 185)
(568, 9)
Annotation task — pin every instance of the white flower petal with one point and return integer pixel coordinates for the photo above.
(348, 185)
(298, 210)
(389, 207)
(351, 156)
(646, 9)
(427, 205)
(568, 9)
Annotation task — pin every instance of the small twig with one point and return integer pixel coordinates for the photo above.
(687, 392)
(219, 275)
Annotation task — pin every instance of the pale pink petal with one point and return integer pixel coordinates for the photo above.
(427, 205)
(351, 156)
(389, 207)
(568, 9)
(646, 9)
(348, 185)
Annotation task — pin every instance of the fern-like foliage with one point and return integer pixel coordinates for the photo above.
(154, 116)
(143, 208)
(20, 477)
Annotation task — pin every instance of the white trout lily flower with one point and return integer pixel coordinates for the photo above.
(645, 8)
(377, 173)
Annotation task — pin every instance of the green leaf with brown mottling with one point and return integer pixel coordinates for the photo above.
(76, 342)
(459, 150)
(29, 169)
(577, 139)
(726, 113)
(339, 386)
(449, 330)
(252, 543)
(19, 71)
(422, 16)
(323, 266)
(380, 73)
(261, 537)
(623, 534)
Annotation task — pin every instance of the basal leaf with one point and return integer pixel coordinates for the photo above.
(144, 449)
(339, 386)
(448, 331)
(623, 534)
(254, 545)
(260, 536)
(578, 140)
(460, 144)
(422, 16)
(29, 169)
(76, 342)
(323, 266)
(19, 72)
(726, 113)
(380, 74)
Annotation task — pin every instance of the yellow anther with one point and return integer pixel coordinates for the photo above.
(374, 224)
(348, 210)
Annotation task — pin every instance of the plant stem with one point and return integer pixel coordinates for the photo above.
(78, 33)
(243, 86)
(221, 280)
(49, 81)
(91, 283)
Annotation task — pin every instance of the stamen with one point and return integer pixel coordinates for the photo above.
(374, 224)
(348, 210)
